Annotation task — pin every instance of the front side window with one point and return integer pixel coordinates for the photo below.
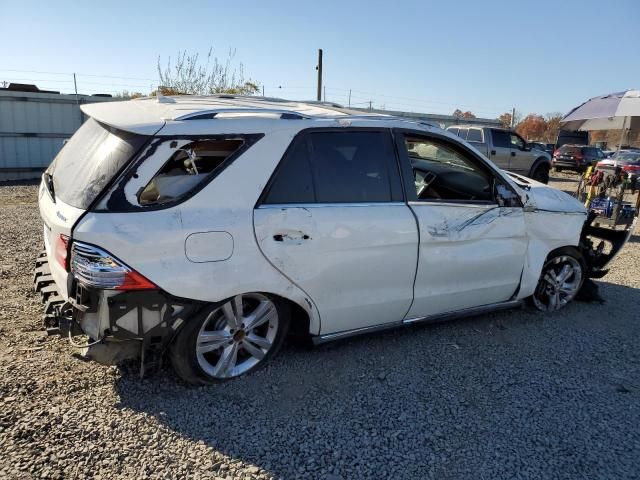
(337, 167)
(516, 141)
(443, 172)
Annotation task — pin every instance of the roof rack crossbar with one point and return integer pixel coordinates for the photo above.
(211, 114)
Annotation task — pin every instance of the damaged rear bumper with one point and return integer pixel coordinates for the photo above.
(120, 324)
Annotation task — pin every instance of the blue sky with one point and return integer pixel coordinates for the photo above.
(537, 56)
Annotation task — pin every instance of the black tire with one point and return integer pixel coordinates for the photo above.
(541, 174)
(183, 354)
(555, 262)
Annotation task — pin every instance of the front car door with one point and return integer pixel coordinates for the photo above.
(522, 158)
(333, 219)
(472, 229)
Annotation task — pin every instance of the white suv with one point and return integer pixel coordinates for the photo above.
(210, 227)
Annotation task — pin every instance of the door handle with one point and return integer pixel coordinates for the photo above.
(296, 237)
(513, 154)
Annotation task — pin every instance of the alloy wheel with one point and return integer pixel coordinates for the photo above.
(559, 283)
(237, 335)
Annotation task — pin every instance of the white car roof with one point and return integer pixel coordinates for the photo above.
(147, 115)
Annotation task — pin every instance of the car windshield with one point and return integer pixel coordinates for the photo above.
(89, 160)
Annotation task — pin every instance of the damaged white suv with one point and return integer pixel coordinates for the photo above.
(208, 228)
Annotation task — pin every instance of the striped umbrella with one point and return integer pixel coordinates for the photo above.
(616, 111)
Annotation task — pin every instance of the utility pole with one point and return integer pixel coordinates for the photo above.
(513, 117)
(263, 90)
(325, 94)
(319, 68)
(370, 104)
(349, 98)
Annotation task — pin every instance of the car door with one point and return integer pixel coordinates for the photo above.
(471, 222)
(521, 157)
(334, 221)
(500, 148)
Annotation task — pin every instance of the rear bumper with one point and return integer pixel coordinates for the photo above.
(119, 324)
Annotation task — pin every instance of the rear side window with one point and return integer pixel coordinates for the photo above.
(501, 138)
(337, 167)
(462, 133)
(187, 168)
(475, 135)
(89, 160)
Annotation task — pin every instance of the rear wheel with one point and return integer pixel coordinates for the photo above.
(562, 276)
(230, 339)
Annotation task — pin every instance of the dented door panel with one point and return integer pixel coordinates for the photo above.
(470, 255)
(356, 262)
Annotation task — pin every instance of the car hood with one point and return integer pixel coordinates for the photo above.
(544, 198)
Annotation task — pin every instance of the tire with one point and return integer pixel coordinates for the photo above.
(541, 174)
(219, 343)
(562, 276)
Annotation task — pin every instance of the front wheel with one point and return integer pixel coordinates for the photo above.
(231, 339)
(561, 279)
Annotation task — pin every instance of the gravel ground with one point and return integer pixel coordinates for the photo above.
(516, 394)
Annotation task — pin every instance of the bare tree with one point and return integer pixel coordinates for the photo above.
(189, 76)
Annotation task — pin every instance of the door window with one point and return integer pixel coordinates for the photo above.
(474, 135)
(443, 172)
(516, 141)
(337, 167)
(501, 138)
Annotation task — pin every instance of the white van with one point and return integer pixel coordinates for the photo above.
(210, 227)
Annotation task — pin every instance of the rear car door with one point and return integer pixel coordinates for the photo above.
(334, 221)
(472, 230)
(500, 148)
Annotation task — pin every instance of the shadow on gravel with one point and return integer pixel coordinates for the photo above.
(519, 391)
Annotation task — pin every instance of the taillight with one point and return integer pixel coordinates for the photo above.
(98, 268)
(62, 251)
(631, 168)
(578, 156)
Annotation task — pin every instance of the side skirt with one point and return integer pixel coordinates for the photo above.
(442, 317)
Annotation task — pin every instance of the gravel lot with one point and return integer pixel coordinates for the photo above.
(512, 395)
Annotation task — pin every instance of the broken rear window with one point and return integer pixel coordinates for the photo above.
(187, 168)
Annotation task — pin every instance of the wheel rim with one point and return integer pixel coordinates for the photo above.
(237, 335)
(559, 283)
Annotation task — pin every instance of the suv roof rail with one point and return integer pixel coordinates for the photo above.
(211, 114)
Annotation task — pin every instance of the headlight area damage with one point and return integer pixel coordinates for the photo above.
(600, 245)
(124, 315)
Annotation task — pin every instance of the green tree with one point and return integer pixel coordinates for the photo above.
(188, 75)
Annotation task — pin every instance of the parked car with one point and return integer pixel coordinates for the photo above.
(545, 147)
(507, 150)
(208, 228)
(576, 157)
(627, 160)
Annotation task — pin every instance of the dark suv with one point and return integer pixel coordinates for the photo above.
(576, 157)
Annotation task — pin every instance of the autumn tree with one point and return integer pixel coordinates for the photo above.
(460, 114)
(188, 75)
(127, 95)
(532, 127)
(553, 127)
